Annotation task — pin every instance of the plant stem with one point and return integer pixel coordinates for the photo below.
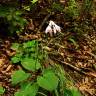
(42, 93)
(56, 93)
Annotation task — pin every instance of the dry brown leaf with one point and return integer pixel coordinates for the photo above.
(1, 62)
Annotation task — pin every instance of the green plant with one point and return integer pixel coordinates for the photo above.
(19, 76)
(66, 86)
(51, 79)
(87, 5)
(72, 39)
(27, 90)
(30, 6)
(34, 1)
(49, 82)
(2, 90)
(72, 10)
(28, 55)
(14, 19)
(57, 7)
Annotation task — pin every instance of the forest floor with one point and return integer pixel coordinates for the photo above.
(78, 59)
(79, 63)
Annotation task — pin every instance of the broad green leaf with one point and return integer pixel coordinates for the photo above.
(30, 64)
(19, 76)
(24, 84)
(29, 90)
(2, 90)
(48, 81)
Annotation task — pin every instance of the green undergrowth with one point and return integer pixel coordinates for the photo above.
(13, 18)
(33, 78)
(2, 90)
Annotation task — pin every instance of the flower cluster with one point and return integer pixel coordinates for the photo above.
(52, 28)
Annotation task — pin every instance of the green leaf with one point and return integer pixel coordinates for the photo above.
(15, 46)
(67, 92)
(27, 8)
(18, 13)
(74, 42)
(48, 81)
(75, 92)
(2, 90)
(20, 93)
(19, 76)
(15, 59)
(29, 90)
(71, 92)
(30, 64)
(29, 44)
(34, 1)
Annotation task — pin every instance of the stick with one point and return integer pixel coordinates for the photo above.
(93, 55)
(77, 69)
(45, 19)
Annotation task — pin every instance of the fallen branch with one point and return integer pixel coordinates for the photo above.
(93, 55)
(42, 24)
(77, 69)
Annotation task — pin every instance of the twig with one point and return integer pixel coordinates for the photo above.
(76, 69)
(45, 19)
(88, 38)
(93, 55)
(42, 93)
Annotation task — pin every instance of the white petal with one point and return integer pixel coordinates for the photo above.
(51, 23)
(57, 28)
(54, 30)
(48, 29)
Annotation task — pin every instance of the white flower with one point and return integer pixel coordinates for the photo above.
(51, 23)
(58, 29)
(48, 29)
(52, 28)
